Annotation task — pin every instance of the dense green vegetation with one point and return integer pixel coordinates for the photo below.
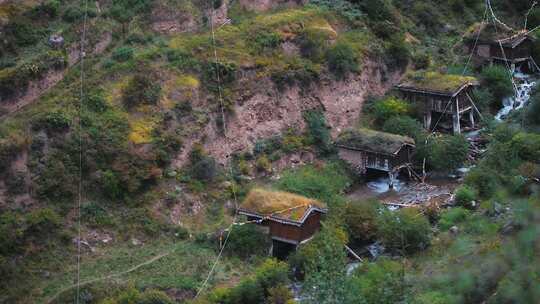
(155, 201)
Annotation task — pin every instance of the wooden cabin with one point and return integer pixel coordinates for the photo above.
(291, 219)
(445, 100)
(499, 45)
(367, 149)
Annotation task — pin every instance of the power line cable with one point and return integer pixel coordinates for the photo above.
(80, 183)
(220, 97)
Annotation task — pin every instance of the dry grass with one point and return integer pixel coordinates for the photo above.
(267, 202)
(437, 82)
(375, 141)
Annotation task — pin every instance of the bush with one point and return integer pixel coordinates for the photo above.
(263, 164)
(53, 122)
(42, 221)
(247, 240)
(313, 43)
(448, 152)
(465, 196)
(298, 72)
(342, 60)
(404, 231)
(360, 220)
(319, 131)
(484, 180)
(527, 146)
(421, 61)
(123, 54)
(453, 217)
(532, 111)
(390, 107)
(320, 183)
(397, 52)
(404, 125)
(266, 40)
(73, 14)
(497, 80)
(484, 99)
(379, 282)
(141, 89)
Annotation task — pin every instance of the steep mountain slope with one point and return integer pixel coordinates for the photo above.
(175, 92)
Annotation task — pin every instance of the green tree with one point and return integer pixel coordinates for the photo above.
(404, 231)
(447, 152)
(325, 281)
(498, 80)
(342, 60)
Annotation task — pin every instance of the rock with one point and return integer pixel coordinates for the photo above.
(508, 228)
(56, 41)
(135, 242)
(454, 230)
(171, 173)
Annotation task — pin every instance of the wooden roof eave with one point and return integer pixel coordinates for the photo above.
(439, 93)
(282, 220)
(382, 153)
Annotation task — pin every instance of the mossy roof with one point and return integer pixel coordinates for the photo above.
(373, 141)
(279, 205)
(490, 33)
(438, 83)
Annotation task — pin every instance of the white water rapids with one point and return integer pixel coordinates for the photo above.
(524, 85)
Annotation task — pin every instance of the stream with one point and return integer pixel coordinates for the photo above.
(524, 85)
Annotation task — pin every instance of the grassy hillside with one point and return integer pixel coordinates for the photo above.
(153, 96)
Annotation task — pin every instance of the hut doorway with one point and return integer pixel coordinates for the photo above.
(281, 250)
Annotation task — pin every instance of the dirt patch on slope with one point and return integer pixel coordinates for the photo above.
(265, 5)
(166, 21)
(263, 111)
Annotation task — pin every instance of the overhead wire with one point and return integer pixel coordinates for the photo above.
(224, 122)
(80, 125)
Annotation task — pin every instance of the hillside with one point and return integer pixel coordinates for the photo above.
(130, 130)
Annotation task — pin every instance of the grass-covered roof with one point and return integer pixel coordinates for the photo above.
(277, 204)
(373, 141)
(435, 82)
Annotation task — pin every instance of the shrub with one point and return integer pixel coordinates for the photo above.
(484, 99)
(360, 220)
(319, 183)
(298, 72)
(225, 71)
(421, 61)
(397, 52)
(72, 14)
(266, 40)
(53, 122)
(379, 282)
(465, 196)
(263, 164)
(23, 33)
(123, 54)
(532, 114)
(42, 221)
(267, 146)
(453, 217)
(527, 146)
(280, 294)
(318, 130)
(313, 43)
(404, 231)
(205, 169)
(15, 183)
(448, 152)
(404, 125)
(497, 80)
(141, 89)
(484, 180)
(390, 107)
(247, 240)
(342, 60)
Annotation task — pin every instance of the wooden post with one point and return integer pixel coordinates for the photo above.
(455, 118)
(427, 120)
(471, 117)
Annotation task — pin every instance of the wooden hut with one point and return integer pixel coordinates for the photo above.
(368, 149)
(292, 219)
(441, 97)
(499, 45)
